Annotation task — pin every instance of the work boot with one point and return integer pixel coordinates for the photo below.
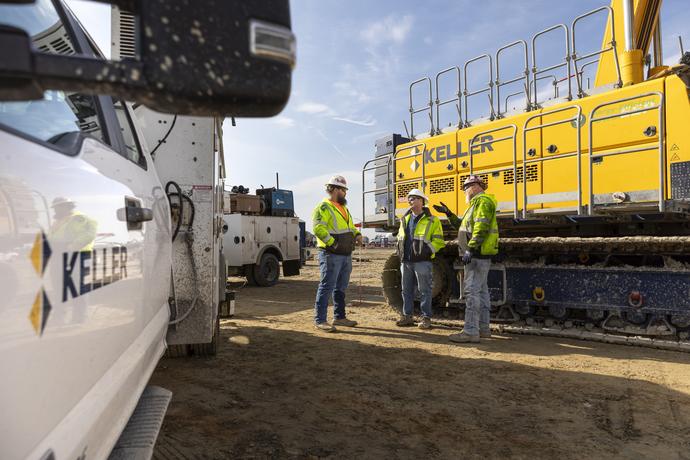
(425, 323)
(344, 322)
(405, 321)
(325, 327)
(485, 334)
(463, 338)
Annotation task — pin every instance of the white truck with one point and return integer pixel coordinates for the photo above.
(110, 213)
(256, 246)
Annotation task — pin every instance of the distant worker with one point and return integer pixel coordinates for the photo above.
(420, 237)
(478, 243)
(336, 236)
(71, 229)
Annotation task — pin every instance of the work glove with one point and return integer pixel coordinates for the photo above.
(442, 208)
(467, 257)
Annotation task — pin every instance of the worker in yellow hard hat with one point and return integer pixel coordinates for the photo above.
(478, 243)
(419, 239)
(336, 236)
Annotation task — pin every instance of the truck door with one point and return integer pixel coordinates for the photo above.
(83, 220)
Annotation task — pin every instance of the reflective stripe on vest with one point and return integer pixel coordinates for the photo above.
(336, 230)
(425, 239)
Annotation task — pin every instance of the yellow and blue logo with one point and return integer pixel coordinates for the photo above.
(40, 310)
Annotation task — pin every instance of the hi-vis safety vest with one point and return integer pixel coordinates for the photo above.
(479, 229)
(76, 231)
(427, 239)
(334, 231)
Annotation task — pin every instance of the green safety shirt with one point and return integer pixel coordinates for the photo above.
(427, 239)
(334, 231)
(479, 228)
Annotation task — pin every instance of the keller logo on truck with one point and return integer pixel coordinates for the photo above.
(81, 272)
(40, 310)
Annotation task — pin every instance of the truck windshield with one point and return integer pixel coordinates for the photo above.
(58, 113)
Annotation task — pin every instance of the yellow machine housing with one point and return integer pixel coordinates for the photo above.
(622, 148)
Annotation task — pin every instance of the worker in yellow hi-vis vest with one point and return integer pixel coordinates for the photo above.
(71, 229)
(336, 236)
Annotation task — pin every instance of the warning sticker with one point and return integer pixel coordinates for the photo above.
(202, 192)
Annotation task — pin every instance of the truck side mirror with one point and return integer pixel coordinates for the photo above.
(200, 57)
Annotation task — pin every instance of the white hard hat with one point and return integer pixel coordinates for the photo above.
(417, 192)
(338, 181)
(62, 201)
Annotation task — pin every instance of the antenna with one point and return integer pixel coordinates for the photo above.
(277, 182)
(680, 43)
(406, 130)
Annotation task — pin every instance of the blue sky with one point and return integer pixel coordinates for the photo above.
(354, 64)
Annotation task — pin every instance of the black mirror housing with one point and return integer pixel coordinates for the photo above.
(200, 57)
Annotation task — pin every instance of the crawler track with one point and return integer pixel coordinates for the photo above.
(662, 257)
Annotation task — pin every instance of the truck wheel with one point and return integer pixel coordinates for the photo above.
(211, 348)
(249, 274)
(391, 280)
(177, 351)
(267, 271)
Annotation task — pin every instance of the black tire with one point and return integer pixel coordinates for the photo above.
(249, 274)
(177, 351)
(267, 271)
(211, 348)
(443, 275)
(392, 283)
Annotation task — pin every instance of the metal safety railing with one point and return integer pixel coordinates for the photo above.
(531, 75)
(524, 76)
(660, 131)
(427, 108)
(536, 71)
(391, 158)
(610, 48)
(492, 141)
(377, 165)
(456, 99)
(581, 73)
(486, 89)
(578, 151)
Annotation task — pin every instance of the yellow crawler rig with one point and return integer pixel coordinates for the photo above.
(593, 185)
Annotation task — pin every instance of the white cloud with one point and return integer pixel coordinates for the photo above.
(348, 90)
(323, 110)
(284, 122)
(314, 108)
(391, 29)
(330, 142)
(367, 121)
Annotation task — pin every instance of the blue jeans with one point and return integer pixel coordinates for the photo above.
(335, 276)
(477, 301)
(416, 275)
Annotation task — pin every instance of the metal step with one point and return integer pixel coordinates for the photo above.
(139, 436)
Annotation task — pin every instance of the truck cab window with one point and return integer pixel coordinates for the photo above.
(58, 113)
(133, 150)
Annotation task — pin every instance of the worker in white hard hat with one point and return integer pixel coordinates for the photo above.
(336, 236)
(71, 229)
(478, 243)
(420, 237)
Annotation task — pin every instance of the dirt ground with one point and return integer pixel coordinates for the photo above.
(280, 389)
